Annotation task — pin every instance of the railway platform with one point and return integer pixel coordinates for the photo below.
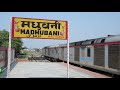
(49, 70)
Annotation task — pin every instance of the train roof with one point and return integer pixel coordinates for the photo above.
(100, 40)
(88, 42)
(78, 43)
(113, 38)
(109, 38)
(62, 44)
(72, 44)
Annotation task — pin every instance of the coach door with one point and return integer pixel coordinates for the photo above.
(114, 56)
(99, 55)
(76, 52)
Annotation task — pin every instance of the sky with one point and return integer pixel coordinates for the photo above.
(82, 25)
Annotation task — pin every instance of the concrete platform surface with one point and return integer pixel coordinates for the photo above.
(47, 70)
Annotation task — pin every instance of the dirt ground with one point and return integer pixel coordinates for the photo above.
(21, 60)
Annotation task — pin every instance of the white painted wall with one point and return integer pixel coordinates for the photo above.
(86, 59)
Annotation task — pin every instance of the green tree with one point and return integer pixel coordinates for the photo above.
(24, 47)
(4, 37)
(15, 42)
(37, 50)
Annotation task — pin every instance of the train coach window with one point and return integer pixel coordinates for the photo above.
(92, 42)
(88, 52)
(103, 40)
(83, 52)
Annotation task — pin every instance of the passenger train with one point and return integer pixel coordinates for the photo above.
(100, 53)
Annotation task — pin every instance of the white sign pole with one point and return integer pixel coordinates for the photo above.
(9, 55)
(68, 54)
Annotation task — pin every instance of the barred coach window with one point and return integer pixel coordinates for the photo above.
(83, 52)
(88, 52)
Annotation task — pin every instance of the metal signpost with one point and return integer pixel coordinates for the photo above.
(38, 29)
(68, 55)
(9, 55)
